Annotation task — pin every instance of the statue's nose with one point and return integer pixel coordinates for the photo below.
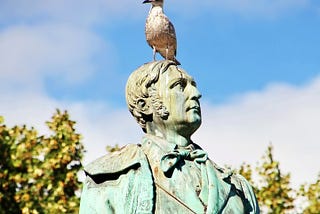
(194, 93)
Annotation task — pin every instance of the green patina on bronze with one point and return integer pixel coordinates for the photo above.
(166, 172)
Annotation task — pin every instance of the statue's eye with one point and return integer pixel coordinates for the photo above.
(181, 84)
(194, 83)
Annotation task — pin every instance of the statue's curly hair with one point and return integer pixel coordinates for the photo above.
(141, 86)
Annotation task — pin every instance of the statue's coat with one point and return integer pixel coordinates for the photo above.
(123, 183)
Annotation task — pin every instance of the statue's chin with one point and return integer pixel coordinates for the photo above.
(193, 126)
(196, 122)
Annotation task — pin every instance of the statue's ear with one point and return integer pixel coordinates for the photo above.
(144, 106)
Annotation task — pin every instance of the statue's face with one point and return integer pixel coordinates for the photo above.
(179, 94)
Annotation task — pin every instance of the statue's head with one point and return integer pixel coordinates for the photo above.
(162, 94)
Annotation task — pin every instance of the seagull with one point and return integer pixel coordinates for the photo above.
(160, 33)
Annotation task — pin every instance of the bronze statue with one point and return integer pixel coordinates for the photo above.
(166, 172)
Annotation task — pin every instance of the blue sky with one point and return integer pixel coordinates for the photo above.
(230, 52)
(256, 62)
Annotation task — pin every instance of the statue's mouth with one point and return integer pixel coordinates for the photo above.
(197, 108)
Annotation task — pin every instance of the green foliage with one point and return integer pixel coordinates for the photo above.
(38, 174)
(271, 186)
(246, 171)
(111, 149)
(275, 192)
(311, 192)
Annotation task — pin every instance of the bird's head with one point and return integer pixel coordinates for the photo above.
(153, 2)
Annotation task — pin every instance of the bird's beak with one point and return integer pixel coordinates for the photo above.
(146, 1)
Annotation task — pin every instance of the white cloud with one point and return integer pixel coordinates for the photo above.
(102, 126)
(232, 133)
(77, 12)
(30, 53)
(55, 38)
(286, 116)
(96, 122)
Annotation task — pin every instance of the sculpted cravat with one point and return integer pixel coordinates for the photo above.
(170, 160)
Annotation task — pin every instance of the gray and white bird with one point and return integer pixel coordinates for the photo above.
(160, 32)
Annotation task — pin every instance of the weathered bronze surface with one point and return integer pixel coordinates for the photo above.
(166, 172)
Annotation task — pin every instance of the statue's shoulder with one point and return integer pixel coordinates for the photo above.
(119, 162)
(236, 179)
(119, 182)
(239, 186)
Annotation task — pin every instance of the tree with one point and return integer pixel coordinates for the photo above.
(274, 192)
(271, 186)
(246, 171)
(38, 174)
(311, 192)
(114, 148)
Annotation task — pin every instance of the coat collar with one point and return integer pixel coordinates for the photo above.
(127, 157)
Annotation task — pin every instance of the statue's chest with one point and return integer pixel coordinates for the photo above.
(180, 192)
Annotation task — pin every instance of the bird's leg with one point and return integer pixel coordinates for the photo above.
(154, 53)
